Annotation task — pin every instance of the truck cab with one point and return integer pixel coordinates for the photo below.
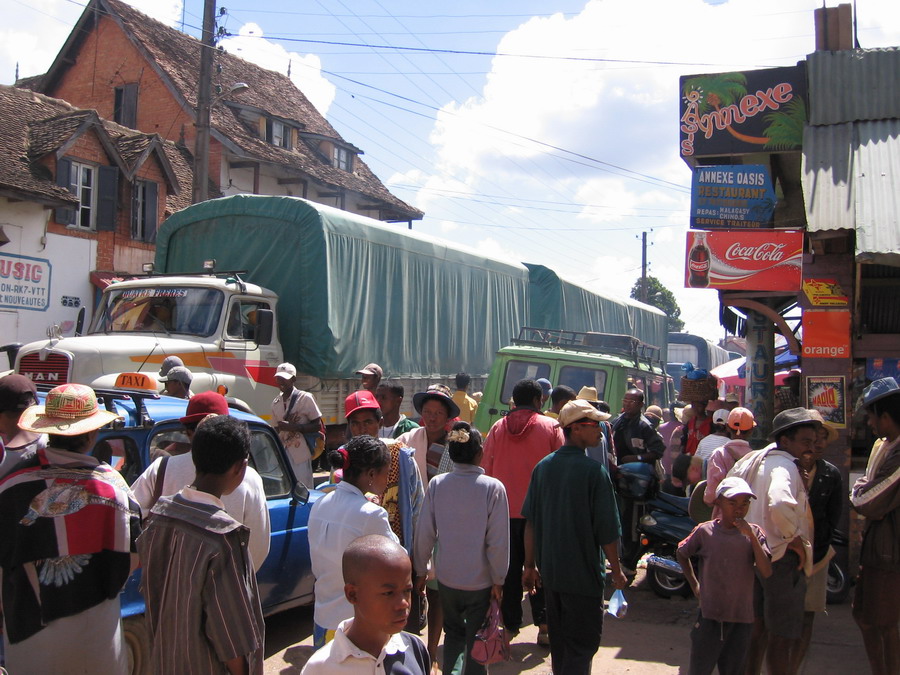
(223, 329)
(610, 363)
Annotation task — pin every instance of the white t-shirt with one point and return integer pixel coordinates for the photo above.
(303, 411)
(247, 504)
(708, 444)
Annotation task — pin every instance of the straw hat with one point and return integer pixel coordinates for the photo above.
(830, 428)
(588, 394)
(685, 414)
(70, 410)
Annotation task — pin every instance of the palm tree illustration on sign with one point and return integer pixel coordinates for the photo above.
(719, 96)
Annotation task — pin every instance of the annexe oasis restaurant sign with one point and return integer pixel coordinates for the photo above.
(731, 196)
(747, 260)
(737, 113)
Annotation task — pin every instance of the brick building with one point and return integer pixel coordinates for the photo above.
(265, 139)
(78, 194)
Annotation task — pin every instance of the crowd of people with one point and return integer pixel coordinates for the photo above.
(426, 525)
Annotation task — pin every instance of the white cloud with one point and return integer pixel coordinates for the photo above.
(164, 11)
(305, 69)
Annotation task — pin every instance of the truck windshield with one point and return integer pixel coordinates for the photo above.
(187, 311)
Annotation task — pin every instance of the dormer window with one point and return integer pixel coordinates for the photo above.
(342, 158)
(278, 134)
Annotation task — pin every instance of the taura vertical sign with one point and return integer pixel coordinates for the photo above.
(756, 260)
(24, 282)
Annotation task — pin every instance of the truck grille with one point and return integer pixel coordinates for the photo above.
(52, 372)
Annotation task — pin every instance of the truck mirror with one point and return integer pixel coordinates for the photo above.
(12, 350)
(79, 322)
(300, 493)
(265, 323)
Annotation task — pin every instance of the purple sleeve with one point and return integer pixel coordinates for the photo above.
(692, 543)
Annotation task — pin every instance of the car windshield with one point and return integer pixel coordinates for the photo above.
(187, 311)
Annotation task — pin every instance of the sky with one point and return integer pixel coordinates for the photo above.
(535, 131)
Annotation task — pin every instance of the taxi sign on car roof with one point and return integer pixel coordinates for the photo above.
(139, 381)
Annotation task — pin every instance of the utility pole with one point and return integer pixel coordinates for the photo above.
(200, 192)
(644, 267)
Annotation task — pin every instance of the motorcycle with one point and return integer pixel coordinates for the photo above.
(659, 521)
(838, 587)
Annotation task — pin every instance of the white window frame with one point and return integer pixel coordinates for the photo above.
(88, 212)
(342, 158)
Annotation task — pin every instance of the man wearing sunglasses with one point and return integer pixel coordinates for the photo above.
(572, 528)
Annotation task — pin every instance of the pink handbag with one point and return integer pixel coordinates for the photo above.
(491, 641)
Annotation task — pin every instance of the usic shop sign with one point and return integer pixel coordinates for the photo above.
(746, 260)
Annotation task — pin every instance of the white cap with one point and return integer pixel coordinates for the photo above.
(286, 371)
(720, 417)
(734, 487)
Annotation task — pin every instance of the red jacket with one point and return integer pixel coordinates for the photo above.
(514, 445)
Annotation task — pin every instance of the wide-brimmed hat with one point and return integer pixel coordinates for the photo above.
(731, 397)
(360, 400)
(17, 392)
(653, 411)
(588, 394)
(70, 410)
(793, 417)
(580, 409)
(436, 392)
(830, 428)
(203, 404)
(741, 419)
(685, 414)
(168, 363)
(879, 389)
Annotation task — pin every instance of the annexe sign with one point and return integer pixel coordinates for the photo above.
(743, 112)
(731, 196)
(747, 260)
(24, 282)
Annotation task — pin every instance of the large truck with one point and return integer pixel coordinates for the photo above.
(245, 282)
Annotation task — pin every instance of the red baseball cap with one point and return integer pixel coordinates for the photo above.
(203, 404)
(360, 400)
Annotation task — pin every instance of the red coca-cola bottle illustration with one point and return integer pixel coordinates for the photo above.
(698, 262)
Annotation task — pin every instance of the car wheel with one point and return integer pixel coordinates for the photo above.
(667, 584)
(137, 644)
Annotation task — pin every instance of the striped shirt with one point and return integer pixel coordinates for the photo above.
(200, 588)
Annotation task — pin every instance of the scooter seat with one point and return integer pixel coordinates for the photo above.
(680, 503)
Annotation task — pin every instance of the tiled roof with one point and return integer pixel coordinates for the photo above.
(19, 173)
(35, 126)
(178, 56)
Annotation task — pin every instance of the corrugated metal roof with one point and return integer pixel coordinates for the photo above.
(850, 176)
(853, 85)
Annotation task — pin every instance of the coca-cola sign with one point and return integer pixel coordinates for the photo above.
(749, 260)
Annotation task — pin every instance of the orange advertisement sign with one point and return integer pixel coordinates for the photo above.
(826, 334)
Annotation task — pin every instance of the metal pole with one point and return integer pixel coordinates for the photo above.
(200, 191)
(643, 267)
(760, 374)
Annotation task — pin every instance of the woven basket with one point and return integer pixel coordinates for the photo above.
(699, 390)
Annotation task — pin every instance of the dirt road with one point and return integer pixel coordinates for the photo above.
(653, 639)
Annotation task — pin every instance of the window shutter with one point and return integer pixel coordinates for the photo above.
(106, 198)
(129, 105)
(151, 195)
(63, 215)
(269, 131)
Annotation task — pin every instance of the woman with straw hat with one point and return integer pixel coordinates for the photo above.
(67, 530)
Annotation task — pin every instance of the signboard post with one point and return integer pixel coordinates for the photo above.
(756, 260)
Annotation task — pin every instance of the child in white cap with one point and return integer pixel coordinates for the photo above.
(731, 550)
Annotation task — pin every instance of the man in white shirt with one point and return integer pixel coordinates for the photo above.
(246, 504)
(295, 413)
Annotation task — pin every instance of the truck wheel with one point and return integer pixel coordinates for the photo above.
(137, 644)
(667, 584)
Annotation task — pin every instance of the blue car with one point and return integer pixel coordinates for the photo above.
(150, 422)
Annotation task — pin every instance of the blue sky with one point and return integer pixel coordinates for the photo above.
(555, 143)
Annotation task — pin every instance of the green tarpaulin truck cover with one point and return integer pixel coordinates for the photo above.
(353, 290)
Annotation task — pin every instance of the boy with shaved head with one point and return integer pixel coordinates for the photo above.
(378, 583)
